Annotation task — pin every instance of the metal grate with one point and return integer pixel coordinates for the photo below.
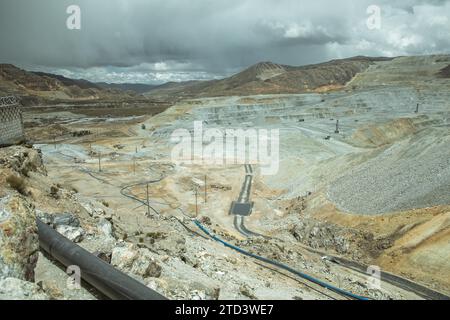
(8, 101)
(11, 121)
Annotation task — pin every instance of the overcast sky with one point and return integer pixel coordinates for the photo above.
(154, 41)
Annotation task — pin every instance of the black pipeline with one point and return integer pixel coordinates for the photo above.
(99, 274)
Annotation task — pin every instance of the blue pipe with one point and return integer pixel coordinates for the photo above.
(280, 265)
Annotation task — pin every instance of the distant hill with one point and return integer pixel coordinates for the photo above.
(138, 88)
(37, 88)
(272, 78)
(82, 84)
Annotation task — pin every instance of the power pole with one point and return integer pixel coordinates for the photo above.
(337, 127)
(196, 202)
(417, 108)
(206, 186)
(148, 203)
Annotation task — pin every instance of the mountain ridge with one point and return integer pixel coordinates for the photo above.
(272, 78)
(262, 78)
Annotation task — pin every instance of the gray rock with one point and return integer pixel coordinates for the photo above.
(74, 234)
(123, 257)
(16, 289)
(3, 215)
(197, 295)
(44, 217)
(145, 265)
(66, 219)
(136, 261)
(105, 227)
(95, 210)
(105, 256)
(246, 291)
(56, 220)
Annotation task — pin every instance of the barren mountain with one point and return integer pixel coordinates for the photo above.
(138, 88)
(271, 78)
(36, 88)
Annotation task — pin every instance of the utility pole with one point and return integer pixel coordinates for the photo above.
(206, 186)
(196, 202)
(148, 203)
(417, 108)
(337, 127)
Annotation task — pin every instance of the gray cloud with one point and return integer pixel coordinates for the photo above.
(165, 40)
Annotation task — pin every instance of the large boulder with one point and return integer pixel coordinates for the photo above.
(105, 228)
(75, 234)
(22, 160)
(138, 261)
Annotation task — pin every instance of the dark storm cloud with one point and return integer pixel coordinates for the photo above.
(162, 40)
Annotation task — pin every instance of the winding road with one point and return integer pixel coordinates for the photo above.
(244, 200)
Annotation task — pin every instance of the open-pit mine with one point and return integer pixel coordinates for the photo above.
(357, 208)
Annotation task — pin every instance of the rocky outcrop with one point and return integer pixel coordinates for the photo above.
(23, 187)
(18, 239)
(22, 160)
(138, 261)
(74, 234)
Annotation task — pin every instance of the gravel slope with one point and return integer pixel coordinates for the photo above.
(413, 173)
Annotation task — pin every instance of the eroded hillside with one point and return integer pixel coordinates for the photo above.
(271, 78)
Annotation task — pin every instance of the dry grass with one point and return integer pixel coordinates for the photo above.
(17, 183)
